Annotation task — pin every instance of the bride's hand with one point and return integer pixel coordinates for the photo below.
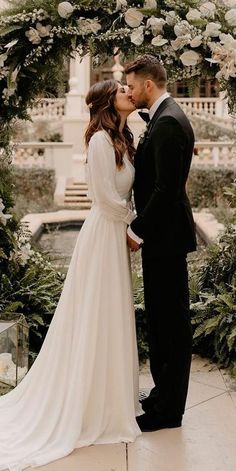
(134, 246)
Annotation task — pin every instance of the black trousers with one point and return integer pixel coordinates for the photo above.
(166, 297)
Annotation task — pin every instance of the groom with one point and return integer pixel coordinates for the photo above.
(165, 228)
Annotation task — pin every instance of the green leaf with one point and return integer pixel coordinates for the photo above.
(9, 29)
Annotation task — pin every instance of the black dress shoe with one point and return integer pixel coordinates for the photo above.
(147, 404)
(149, 423)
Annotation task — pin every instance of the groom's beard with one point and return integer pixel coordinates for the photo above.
(141, 104)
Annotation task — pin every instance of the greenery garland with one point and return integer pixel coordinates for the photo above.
(193, 38)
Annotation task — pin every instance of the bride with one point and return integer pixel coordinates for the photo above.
(83, 387)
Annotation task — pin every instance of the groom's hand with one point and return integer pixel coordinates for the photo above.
(134, 246)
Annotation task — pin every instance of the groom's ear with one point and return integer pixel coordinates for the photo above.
(149, 85)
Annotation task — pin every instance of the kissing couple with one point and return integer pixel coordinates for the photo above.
(83, 387)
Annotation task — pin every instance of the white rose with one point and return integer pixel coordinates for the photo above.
(150, 4)
(182, 28)
(197, 41)
(193, 14)
(137, 36)
(208, 10)
(156, 25)
(159, 41)
(228, 40)
(65, 9)
(171, 18)
(230, 3)
(180, 42)
(120, 4)
(212, 29)
(43, 30)
(133, 17)
(189, 58)
(230, 17)
(33, 36)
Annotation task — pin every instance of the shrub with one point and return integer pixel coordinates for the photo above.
(34, 188)
(206, 186)
(213, 296)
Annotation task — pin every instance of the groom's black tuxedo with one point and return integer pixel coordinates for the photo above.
(162, 165)
(165, 223)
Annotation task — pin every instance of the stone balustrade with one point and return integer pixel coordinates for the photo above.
(49, 109)
(56, 155)
(216, 154)
(54, 108)
(59, 156)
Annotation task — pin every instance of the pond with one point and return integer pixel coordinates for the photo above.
(58, 241)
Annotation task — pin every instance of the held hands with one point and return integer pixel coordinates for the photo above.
(134, 246)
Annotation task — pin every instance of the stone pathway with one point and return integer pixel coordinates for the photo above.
(205, 442)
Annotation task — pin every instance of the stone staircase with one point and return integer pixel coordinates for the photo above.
(76, 195)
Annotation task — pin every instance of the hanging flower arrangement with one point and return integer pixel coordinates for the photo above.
(192, 38)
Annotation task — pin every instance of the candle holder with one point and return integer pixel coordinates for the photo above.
(14, 350)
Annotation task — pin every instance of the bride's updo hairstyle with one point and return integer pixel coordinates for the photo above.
(103, 115)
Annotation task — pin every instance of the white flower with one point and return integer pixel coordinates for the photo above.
(43, 30)
(8, 92)
(208, 10)
(133, 17)
(87, 26)
(193, 14)
(3, 57)
(180, 42)
(24, 254)
(137, 36)
(150, 4)
(65, 9)
(156, 25)
(189, 58)
(230, 17)
(3, 217)
(212, 29)
(120, 4)
(197, 41)
(33, 36)
(159, 41)
(182, 28)
(230, 3)
(171, 18)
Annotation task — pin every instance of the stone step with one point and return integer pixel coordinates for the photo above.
(75, 192)
(77, 186)
(75, 195)
(77, 204)
(75, 198)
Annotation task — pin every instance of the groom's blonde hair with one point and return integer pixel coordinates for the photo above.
(149, 67)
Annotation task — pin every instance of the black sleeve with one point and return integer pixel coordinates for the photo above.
(167, 144)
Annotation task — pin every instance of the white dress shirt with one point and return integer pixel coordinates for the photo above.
(152, 111)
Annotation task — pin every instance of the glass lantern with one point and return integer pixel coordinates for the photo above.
(14, 350)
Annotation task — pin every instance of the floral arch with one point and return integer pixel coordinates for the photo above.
(193, 38)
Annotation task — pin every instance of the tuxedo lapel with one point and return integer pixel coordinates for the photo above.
(168, 101)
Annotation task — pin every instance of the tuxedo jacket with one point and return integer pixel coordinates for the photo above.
(162, 162)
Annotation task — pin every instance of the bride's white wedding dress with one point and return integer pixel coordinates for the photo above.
(83, 387)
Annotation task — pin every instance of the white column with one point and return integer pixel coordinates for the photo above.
(76, 113)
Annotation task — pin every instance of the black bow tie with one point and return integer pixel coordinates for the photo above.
(145, 116)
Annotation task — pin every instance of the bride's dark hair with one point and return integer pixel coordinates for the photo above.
(103, 115)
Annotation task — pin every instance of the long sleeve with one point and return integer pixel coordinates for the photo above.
(102, 170)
